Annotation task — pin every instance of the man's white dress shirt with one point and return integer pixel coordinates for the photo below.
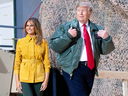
(83, 56)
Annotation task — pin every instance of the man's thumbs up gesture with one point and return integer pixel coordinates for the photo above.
(103, 33)
(73, 32)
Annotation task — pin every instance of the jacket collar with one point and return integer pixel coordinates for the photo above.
(75, 24)
(92, 26)
(28, 38)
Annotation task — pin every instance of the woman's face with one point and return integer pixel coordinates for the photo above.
(30, 28)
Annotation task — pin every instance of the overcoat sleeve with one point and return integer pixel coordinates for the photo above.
(61, 39)
(107, 45)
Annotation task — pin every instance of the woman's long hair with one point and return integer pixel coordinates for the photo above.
(38, 30)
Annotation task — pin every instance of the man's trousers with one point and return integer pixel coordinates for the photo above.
(82, 80)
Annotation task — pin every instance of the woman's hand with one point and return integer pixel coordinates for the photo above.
(18, 83)
(18, 86)
(43, 86)
(45, 83)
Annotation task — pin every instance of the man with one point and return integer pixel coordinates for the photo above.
(78, 44)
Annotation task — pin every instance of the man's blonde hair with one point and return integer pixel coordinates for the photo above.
(85, 4)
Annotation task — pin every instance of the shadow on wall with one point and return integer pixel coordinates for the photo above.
(60, 87)
(3, 68)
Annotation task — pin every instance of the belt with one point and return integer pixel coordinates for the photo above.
(31, 61)
(83, 62)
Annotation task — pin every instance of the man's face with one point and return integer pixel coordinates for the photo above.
(83, 14)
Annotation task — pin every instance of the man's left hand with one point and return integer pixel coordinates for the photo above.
(103, 33)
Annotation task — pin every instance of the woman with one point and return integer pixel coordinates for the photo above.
(32, 65)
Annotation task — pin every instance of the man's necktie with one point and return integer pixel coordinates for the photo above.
(87, 40)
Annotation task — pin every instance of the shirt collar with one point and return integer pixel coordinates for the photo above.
(81, 25)
(30, 38)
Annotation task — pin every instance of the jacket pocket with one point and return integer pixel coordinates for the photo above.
(24, 71)
(64, 58)
(40, 72)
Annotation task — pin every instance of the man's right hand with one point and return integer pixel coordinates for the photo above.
(73, 32)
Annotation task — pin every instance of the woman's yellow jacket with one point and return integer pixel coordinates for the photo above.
(31, 60)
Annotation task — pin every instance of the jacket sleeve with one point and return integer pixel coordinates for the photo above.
(107, 45)
(60, 40)
(18, 57)
(46, 60)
